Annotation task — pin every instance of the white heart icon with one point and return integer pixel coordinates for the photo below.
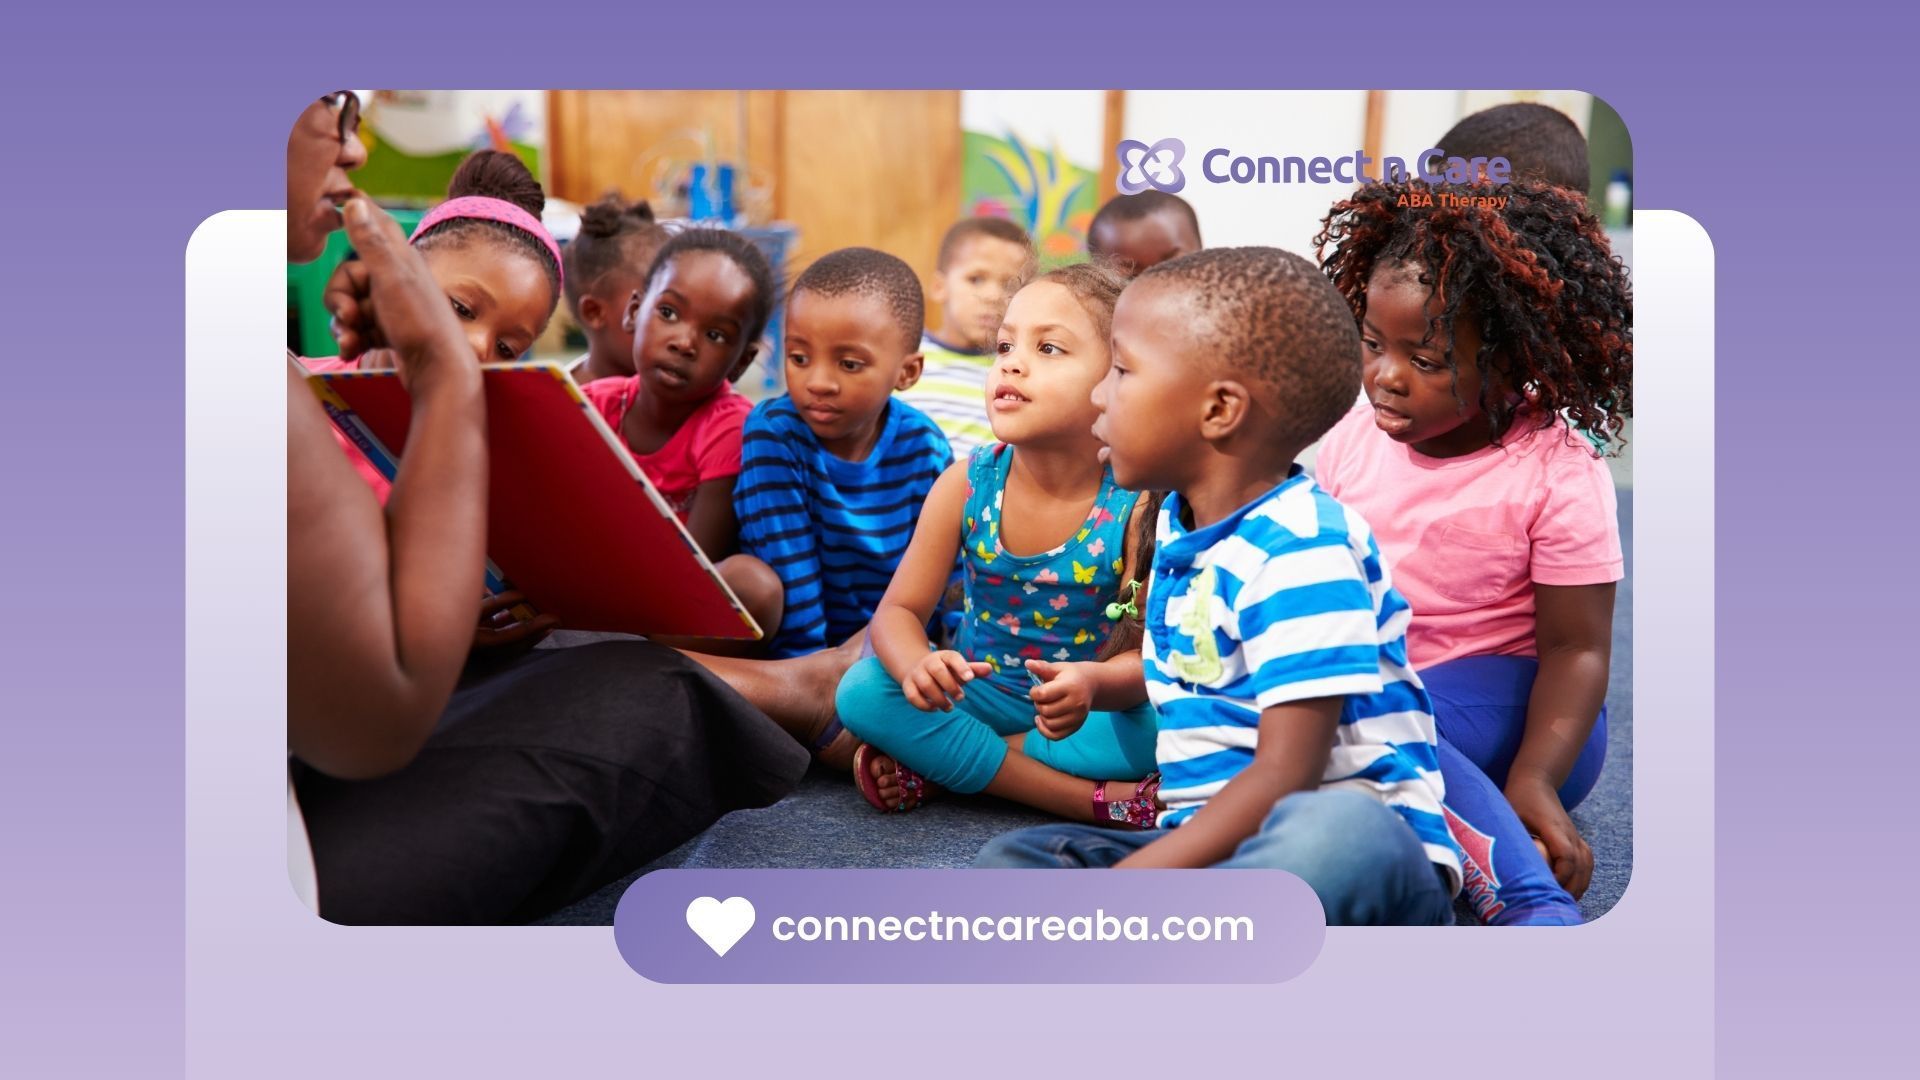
(720, 924)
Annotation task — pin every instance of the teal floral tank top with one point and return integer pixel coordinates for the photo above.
(1050, 606)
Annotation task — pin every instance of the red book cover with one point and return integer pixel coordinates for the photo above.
(571, 521)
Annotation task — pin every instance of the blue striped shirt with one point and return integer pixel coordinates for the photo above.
(1287, 599)
(833, 530)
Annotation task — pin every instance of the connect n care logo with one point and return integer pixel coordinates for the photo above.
(1156, 166)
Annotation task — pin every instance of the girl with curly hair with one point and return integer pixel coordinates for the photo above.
(1498, 352)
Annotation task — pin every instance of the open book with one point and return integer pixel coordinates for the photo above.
(571, 521)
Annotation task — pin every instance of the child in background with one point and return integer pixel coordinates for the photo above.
(834, 472)
(1498, 342)
(981, 262)
(1137, 232)
(606, 264)
(1293, 733)
(1020, 708)
(1536, 140)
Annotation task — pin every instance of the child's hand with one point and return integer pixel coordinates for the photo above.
(936, 681)
(500, 628)
(1538, 805)
(388, 302)
(1062, 699)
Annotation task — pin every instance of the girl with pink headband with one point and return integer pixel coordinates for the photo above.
(497, 264)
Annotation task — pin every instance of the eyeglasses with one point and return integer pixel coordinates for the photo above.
(347, 103)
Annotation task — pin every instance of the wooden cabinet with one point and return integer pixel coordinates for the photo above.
(874, 168)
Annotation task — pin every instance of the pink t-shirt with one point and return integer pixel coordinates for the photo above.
(707, 446)
(1467, 538)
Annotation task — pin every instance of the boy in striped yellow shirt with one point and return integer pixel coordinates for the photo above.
(982, 261)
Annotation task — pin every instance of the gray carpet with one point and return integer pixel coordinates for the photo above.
(825, 823)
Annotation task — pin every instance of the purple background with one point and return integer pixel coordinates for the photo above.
(124, 130)
(1288, 926)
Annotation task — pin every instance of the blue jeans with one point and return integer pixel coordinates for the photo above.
(1365, 864)
(962, 749)
(1480, 711)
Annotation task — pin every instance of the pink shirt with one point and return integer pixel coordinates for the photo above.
(1467, 538)
(707, 446)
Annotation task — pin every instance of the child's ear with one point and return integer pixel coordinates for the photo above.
(909, 372)
(937, 291)
(630, 318)
(593, 313)
(1226, 409)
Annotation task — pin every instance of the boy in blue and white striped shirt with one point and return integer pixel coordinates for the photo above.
(833, 473)
(1293, 733)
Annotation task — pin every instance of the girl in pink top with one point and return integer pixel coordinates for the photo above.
(1499, 360)
(695, 330)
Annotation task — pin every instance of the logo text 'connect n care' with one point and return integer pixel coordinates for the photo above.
(1156, 166)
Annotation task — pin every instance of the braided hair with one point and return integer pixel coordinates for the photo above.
(613, 232)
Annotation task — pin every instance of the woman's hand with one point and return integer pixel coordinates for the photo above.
(387, 309)
(1538, 805)
(936, 682)
(1062, 699)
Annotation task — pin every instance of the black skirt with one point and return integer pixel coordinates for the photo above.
(546, 779)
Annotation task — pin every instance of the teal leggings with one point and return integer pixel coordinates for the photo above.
(961, 750)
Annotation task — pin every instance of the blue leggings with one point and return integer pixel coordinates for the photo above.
(961, 750)
(1480, 709)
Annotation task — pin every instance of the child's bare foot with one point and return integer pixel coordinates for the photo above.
(885, 778)
(885, 784)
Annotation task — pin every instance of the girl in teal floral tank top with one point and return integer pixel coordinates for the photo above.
(1050, 606)
(1029, 705)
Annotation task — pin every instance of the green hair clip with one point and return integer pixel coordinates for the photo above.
(1131, 607)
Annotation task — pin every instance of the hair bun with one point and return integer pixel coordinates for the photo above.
(498, 175)
(612, 215)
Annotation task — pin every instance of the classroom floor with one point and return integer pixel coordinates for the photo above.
(825, 823)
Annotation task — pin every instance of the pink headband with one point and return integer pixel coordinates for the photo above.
(487, 208)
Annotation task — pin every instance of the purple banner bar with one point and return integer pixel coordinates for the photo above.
(969, 926)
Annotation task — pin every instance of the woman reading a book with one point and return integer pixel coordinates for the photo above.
(431, 792)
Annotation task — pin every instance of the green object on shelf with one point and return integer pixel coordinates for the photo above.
(307, 332)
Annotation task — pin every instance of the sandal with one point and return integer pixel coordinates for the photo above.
(914, 788)
(1139, 812)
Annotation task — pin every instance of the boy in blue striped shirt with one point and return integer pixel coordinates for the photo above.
(833, 474)
(1293, 733)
